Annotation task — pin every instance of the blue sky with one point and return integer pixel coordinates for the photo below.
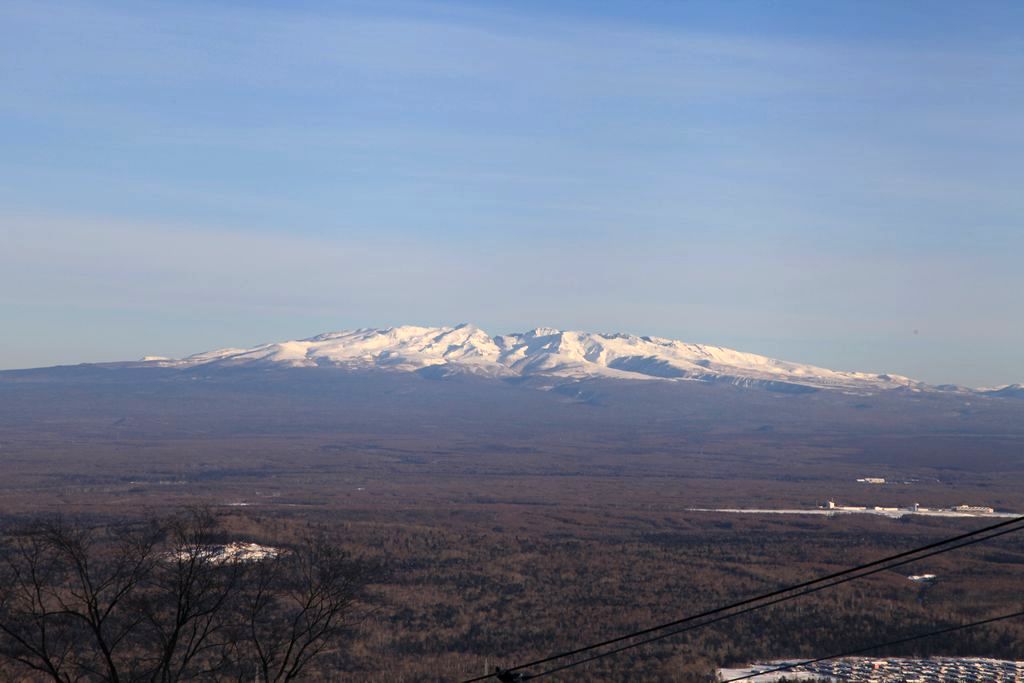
(836, 183)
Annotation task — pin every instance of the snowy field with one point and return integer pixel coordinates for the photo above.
(886, 670)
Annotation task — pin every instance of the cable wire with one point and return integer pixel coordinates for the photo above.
(750, 601)
(851, 653)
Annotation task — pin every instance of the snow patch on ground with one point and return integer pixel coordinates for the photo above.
(237, 551)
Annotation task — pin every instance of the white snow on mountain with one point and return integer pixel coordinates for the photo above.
(540, 352)
(1008, 390)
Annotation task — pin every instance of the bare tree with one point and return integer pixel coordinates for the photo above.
(152, 602)
(63, 602)
(297, 604)
(184, 601)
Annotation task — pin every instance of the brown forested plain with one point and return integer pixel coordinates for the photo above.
(508, 532)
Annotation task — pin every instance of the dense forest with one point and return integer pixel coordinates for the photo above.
(447, 603)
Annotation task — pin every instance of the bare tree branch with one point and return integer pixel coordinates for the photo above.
(152, 602)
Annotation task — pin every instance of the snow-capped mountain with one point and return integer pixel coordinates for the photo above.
(1007, 390)
(541, 352)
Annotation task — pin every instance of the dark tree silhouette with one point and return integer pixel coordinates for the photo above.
(156, 602)
(295, 605)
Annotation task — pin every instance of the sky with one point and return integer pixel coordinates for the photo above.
(835, 183)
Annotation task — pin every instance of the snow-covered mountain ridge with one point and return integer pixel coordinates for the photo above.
(541, 352)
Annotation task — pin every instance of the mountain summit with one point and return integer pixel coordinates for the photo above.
(438, 351)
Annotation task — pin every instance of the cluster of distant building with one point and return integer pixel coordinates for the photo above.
(890, 670)
(830, 508)
(915, 508)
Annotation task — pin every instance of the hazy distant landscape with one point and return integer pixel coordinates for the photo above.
(507, 512)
